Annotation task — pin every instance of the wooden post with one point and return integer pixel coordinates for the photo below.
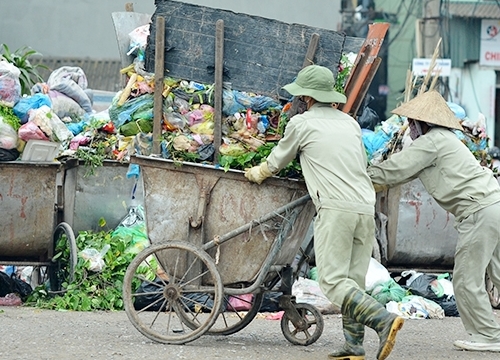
(159, 76)
(311, 52)
(218, 85)
(129, 7)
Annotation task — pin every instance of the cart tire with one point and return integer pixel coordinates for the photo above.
(58, 271)
(493, 293)
(231, 321)
(313, 330)
(164, 294)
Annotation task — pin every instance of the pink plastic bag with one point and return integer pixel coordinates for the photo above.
(31, 131)
(240, 303)
(10, 300)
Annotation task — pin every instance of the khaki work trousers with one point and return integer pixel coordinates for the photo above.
(478, 250)
(343, 243)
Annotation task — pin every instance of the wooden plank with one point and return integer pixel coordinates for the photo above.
(311, 52)
(159, 76)
(218, 85)
(362, 65)
(364, 87)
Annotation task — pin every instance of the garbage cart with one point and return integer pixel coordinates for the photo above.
(31, 201)
(216, 239)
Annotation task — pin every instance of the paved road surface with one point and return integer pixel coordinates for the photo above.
(30, 333)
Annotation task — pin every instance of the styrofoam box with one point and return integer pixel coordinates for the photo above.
(40, 151)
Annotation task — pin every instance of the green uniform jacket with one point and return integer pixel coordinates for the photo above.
(332, 158)
(448, 170)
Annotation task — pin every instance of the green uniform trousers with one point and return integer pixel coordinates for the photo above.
(343, 243)
(478, 250)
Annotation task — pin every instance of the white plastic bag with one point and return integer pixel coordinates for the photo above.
(50, 124)
(377, 274)
(10, 87)
(413, 275)
(95, 257)
(8, 136)
(308, 291)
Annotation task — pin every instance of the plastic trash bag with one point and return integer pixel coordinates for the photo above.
(308, 291)
(230, 105)
(9, 155)
(64, 106)
(31, 131)
(50, 124)
(388, 291)
(153, 301)
(95, 258)
(416, 307)
(271, 302)
(240, 302)
(10, 87)
(133, 228)
(8, 136)
(138, 39)
(13, 285)
(120, 115)
(72, 82)
(25, 104)
(374, 141)
(377, 274)
(368, 119)
(428, 286)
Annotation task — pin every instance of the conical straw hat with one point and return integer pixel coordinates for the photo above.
(431, 108)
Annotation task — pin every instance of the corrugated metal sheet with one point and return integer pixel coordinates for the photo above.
(101, 74)
(465, 31)
(475, 9)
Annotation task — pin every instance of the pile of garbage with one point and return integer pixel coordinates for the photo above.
(392, 135)
(415, 295)
(60, 111)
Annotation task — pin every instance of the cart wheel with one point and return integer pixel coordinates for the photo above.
(64, 261)
(312, 330)
(231, 321)
(165, 295)
(493, 293)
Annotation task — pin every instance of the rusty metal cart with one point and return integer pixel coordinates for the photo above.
(31, 203)
(216, 238)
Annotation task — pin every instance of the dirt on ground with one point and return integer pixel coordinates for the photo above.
(31, 333)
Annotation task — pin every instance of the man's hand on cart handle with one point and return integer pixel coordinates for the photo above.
(258, 174)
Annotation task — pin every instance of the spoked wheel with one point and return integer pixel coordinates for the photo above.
(493, 293)
(164, 292)
(309, 333)
(233, 318)
(65, 258)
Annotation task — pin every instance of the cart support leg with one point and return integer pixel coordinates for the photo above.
(287, 303)
(286, 280)
(287, 300)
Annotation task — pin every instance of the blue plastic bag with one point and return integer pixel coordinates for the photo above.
(25, 104)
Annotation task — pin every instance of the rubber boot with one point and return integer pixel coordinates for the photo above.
(354, 334)
(366, 310)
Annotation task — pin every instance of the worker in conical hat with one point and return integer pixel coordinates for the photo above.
(462, 186)
(333, 162)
